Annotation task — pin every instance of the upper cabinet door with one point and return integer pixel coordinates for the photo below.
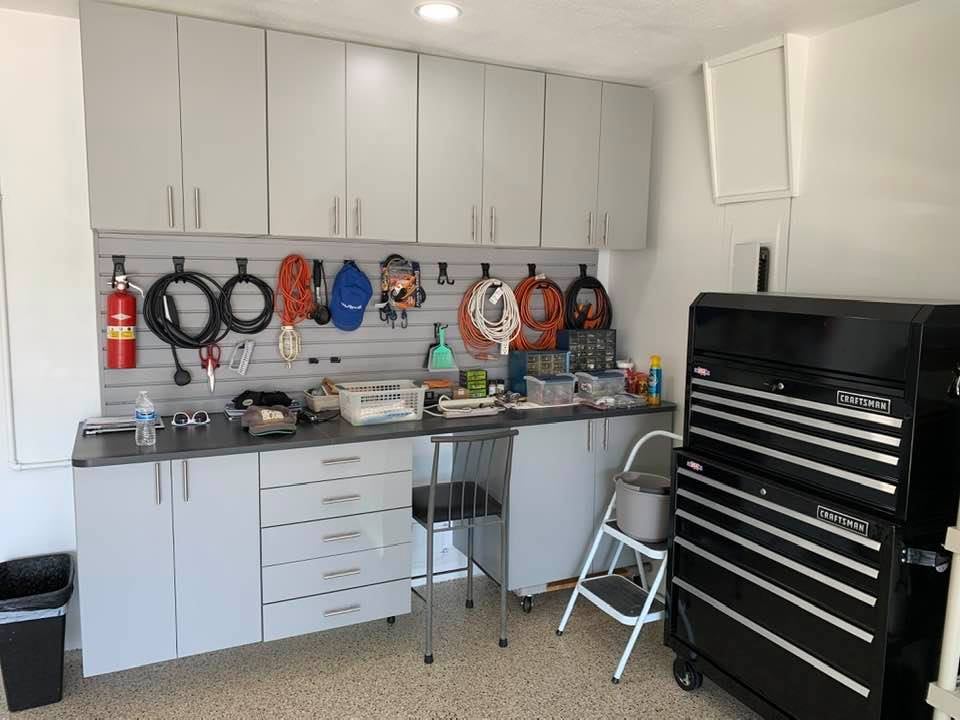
(571, 152)
(381, 144)
(450, 168)
(307, 127)
(132, 105)
(626, 127)
(512, 156)
(223, 120)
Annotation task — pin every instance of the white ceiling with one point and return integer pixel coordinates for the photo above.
(637, 41)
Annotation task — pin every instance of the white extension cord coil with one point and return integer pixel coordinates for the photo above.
(507, 327)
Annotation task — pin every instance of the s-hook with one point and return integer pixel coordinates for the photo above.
(443, 278)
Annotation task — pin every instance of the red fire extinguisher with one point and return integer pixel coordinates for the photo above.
(121, 319)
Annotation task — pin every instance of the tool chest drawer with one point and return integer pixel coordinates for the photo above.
(333, 610)
(334, 498)
(323, 538)
(338, 572)
(290, 467)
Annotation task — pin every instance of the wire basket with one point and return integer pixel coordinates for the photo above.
(371, 403)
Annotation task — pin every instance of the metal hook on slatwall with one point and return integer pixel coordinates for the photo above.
(531, 269)
(485, 267)
(443, 278)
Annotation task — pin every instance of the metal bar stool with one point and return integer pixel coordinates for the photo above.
(477, 495)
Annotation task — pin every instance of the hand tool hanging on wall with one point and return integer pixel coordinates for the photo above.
(210, 361)
(241, 356)
(480, 334)
(553, 311)
(321, 313)
(296, 304)
(121, 319)
(160, 314)
(597, 315)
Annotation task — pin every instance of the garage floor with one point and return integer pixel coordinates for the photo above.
(376, 671)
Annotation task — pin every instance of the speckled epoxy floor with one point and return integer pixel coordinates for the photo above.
(377, 671)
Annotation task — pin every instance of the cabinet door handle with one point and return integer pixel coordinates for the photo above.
(340, 461)
(493, 224)
(344, 536)
(606, 432)
(606, 227)
(336, 214)
(343, 611)
(589, 435)
(170, 217)
(196, 207)
(590, 227)
(358, 211)
(473, 224)
(156, 480)
(338, 500)
(186, 480)
(341, 574)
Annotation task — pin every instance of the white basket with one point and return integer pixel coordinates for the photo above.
(370, 403)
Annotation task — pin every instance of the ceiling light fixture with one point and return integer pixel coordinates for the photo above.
(438, 12)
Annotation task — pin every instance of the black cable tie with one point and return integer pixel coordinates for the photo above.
(532, 269)
(242, 267)
(485, 267)
(583, 270)
(178, 263)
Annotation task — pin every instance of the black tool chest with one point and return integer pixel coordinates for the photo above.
(816, 481)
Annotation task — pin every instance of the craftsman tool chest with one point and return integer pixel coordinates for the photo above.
(810, 498)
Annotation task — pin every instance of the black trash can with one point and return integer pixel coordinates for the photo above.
(34, 592)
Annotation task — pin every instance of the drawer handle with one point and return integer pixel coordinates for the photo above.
(344, 536)
(343, 611)
(341, 574)
(340, 461)
(338, 500)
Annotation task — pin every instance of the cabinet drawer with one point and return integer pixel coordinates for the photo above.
(339, 572)
(333, 610)
(334, 498)
(323, 538)
(290, 467)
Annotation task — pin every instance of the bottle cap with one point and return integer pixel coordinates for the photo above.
(654, 361)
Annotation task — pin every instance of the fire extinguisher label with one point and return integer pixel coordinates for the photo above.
(121, 332)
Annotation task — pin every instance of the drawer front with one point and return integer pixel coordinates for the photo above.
(323, 538)
(334, 498)
(337, 609)
(290, 467)
(338, 572)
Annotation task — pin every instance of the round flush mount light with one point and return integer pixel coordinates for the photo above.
(438, 12)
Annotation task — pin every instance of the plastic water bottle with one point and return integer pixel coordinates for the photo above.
(146, 417)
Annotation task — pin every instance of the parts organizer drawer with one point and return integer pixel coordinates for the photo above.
(334, 498)
(323, 538)
(339, 572)
(333, 610)
(290, 467)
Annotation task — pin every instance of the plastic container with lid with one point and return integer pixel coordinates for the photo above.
(602, 383)
(643, 505)
(551, 390)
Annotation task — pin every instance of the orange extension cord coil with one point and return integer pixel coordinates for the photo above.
(552, 321)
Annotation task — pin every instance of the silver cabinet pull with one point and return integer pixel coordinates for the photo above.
(341, 574)
(340, 461)
(493, 224)
(186, 480)
(358, 211)
(606, 432)
(589, 434)
(336, 214)
(473, 224)
(590, 227)
(196, 207)
(170, 216)
(606, 227)
(344, 611)
(156, 479)
(344, 536)
(338, 500)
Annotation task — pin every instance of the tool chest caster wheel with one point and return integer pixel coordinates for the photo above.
(526, 604)
(391, 620)
(615, 680)
(686, 675)
(559, 632)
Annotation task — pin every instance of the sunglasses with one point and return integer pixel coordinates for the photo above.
(182, 419)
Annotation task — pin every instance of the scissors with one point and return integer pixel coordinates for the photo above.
(210, 359)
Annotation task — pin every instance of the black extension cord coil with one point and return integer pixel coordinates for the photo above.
(160, 310)
(577, 318)
(263, 318)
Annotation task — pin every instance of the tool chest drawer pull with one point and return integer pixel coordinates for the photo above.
(814, 522)
(777, 590)
(344, 536)
(869, 482)
(777, 557)
(811, 660)
(344, 611)
(340, 461)
(342, 499)
(341, 574)
(783, 534)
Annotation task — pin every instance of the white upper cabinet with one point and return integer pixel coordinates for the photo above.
(223, 121)
(512, 156)
(571, 147)
(754, 115)
(306, 107)
(132, 103)
(381, 144)
(450, 148)
(626, 133)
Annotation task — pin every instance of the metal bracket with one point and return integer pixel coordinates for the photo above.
(242, 267)
(936, 559)
(583, 270)
(178, 262)
(119, 270)
(485, 267)
(531, 269)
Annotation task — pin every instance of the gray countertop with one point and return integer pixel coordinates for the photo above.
(223, 437)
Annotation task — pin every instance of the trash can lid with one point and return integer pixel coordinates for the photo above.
(644, 482)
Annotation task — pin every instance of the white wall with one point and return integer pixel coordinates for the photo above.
(879, 209)
(49, 303)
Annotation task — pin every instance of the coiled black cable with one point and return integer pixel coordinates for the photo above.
(160, 310)
(597, 315)
(263, 318)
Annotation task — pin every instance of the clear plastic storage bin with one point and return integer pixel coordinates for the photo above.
(371, 403)
(602, 383)
(552, 390)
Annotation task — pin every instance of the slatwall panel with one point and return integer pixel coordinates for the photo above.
(374, 351)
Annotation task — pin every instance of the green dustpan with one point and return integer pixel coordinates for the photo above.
(441, 356)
